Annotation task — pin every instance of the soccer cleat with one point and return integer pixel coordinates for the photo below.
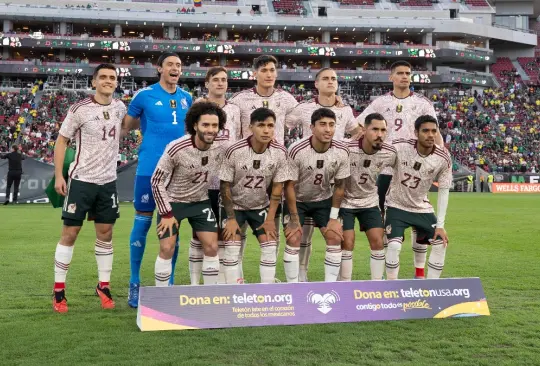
(60, 302)
(105, 297)
(133, 295)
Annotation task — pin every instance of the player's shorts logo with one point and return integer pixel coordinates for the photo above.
(389, 230)
(145, 198)
(72, 207)
(324, 302)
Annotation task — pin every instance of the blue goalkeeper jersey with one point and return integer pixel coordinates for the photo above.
(162, 117)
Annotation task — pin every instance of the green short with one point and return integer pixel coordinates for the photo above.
(100, 202)
(319, 211)
(397, 221)
(254, 218)
(368, 218)
(199, 214)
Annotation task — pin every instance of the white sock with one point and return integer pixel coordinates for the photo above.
(230, 261)
(385, 242)
(436, 259)
(277, 222)
(210, 270)
(420, 252)
(305, 249)
(162, 271)
(104, 259)
(196, 255)
(267, 265)
(392, 258)
(62, 259)
(221, 255)
(346, 268)
(243, 241)
(376, 264)
(332, 262)
(290, 262)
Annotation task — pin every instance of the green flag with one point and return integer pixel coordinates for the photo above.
(56, 199)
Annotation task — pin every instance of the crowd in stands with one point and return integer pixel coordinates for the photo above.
(497, 130)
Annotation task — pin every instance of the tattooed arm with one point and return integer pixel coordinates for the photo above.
(231, 231)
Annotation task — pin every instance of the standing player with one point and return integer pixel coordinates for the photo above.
(326, 83)
(419, 163)
(264, 95)
(316, 162)
(250, 167)
(95, 124)
(161, 109)
(369, 156)
(400, 108)
(216, 83)
(180, 187)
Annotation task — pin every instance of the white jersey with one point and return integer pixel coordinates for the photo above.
(400, 115)
(361, 187)
(414, 174)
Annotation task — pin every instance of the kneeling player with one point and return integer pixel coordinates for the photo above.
(419, 163)
(95, 123)
(315, 162)
(249, 167)
(180, 189)
(368, 157)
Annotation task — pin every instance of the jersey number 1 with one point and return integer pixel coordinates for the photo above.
(174, 118)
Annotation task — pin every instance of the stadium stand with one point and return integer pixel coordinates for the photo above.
(530, 65)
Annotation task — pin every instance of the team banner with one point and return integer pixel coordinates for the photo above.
(253, 305)
(516, 188)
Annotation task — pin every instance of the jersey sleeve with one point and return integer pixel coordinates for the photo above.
(294, 169)
(429, 109)
(282, 170)
(292, 103)
(159, 182)
(351, 123)
(70, 125)
(294, 118)
(344, 168)
(444, 177)
(371, 108)
(226, 171)
(136, 106)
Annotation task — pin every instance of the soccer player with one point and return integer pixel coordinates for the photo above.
(315, 163)
(419, 163)
(368, 156)
(250, 167)
(180, 188)
(95, 124)
(401, 108)
(160, 109)
(265, 95)
(216, 82)
(326, 83)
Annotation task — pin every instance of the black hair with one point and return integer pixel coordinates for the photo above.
(323, 70)
(103, 67)
(263, 60)
(198, 109)
(162, 58)
(15, 148)
(322, 113)
(214, 71)
(425, 119)
(373, 116)
(260, 115)
(398, 64)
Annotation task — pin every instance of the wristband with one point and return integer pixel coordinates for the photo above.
(334, 213)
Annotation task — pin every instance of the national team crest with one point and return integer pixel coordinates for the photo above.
(266, 104)
(184, 103)
(72, 207)
(417, 166)
(256, 164)
(399, 108)
(367, 163)
(320, 164)
(106, 115)
(204, 160)
(388, 230)
(172, 103)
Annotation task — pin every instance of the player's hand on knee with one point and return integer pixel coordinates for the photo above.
(60, 186)
(293, 229)
(440, 232)
(269, 227)
(166, 225)
(335, 227)
(230, 230)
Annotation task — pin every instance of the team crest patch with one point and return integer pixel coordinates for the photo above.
(72, 207)
(204, 160)
(106, 115)
(145, 198)
(184, 103)
(367, 163)
(417, 166)
(399, 108)
(172, 103)
(389, 230)
(266, 104)
(256, 164)
(320, 164)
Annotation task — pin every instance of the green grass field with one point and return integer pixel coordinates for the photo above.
(492, 237)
